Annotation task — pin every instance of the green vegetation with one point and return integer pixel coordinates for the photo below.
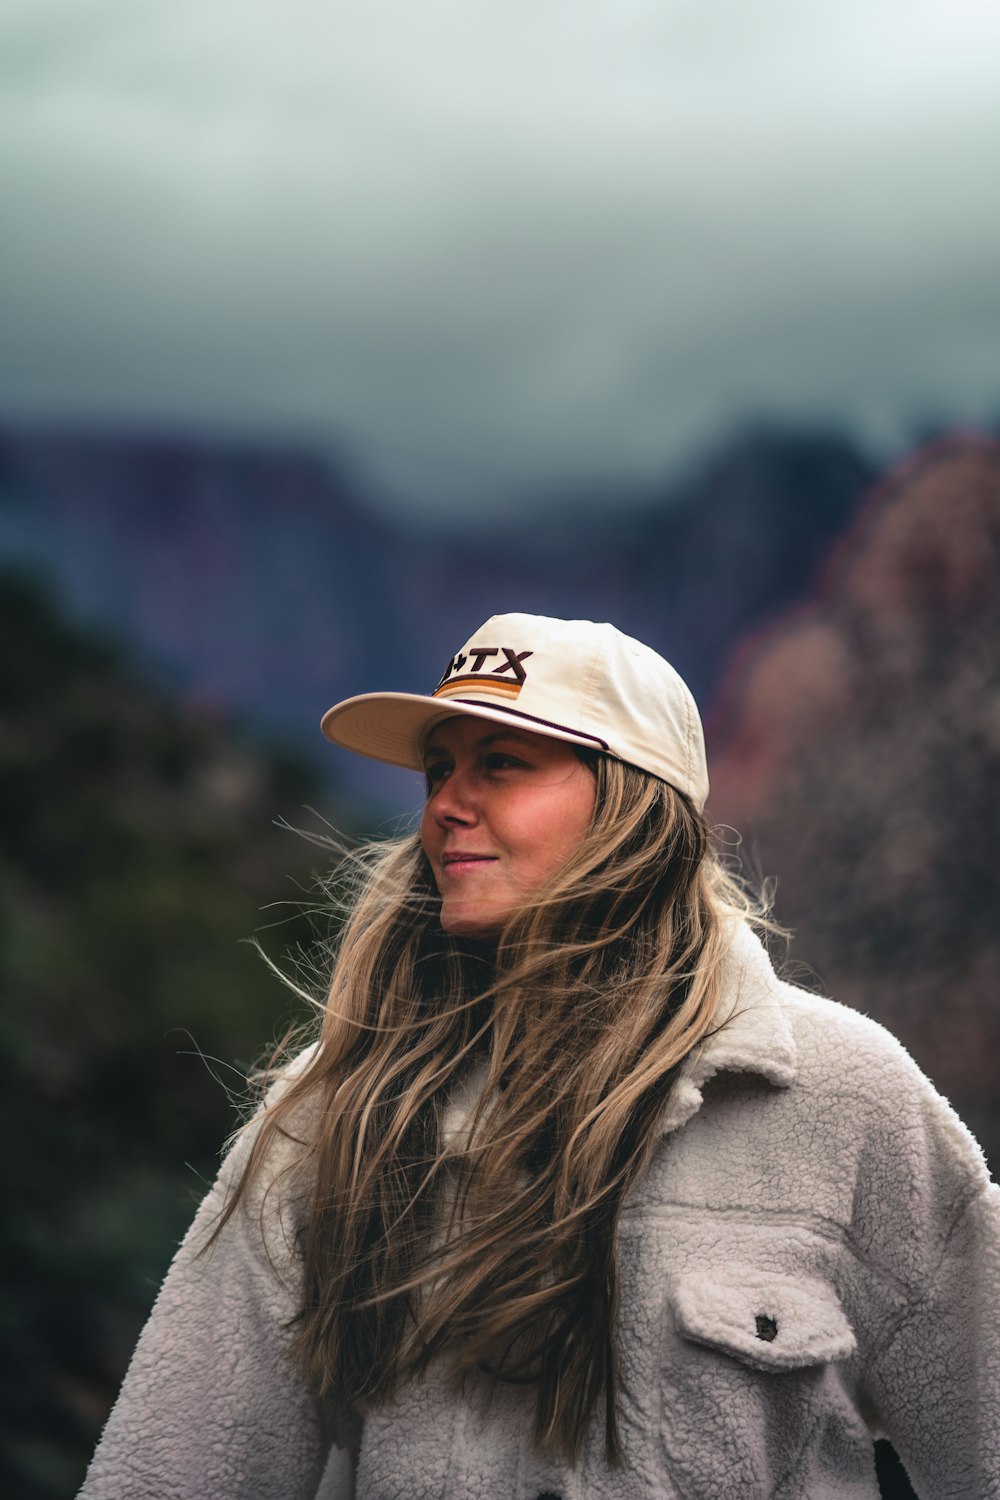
(138, 849)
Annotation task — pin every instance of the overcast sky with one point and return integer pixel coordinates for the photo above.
(489, 244)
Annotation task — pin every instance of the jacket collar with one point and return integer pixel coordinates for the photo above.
(753, 1035)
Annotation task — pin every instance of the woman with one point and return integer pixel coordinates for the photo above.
(572, 1197)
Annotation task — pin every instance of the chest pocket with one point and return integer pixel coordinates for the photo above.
(767, 1320)
(753, 1398)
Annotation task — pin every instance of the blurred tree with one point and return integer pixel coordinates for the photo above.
(138, 848)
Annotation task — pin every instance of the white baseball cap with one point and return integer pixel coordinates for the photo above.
(572, 680)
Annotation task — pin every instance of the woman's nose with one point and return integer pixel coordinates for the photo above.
(455, 800)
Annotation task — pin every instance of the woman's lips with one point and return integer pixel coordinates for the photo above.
(460, 864)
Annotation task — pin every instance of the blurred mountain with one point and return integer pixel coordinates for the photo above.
(267, 583)
(857, 747)
(138, 851)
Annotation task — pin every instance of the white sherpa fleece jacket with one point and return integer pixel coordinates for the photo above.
(812, 1259)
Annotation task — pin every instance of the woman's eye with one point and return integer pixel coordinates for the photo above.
(434, 774)
(498, 761)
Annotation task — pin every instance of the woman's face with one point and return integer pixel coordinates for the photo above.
(505, 810)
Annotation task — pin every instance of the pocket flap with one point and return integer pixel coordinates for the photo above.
(771, 1320)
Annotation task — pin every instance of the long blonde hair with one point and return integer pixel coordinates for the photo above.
(498, 1252)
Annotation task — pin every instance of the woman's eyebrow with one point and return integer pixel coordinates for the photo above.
(433, 753)
(483, 743)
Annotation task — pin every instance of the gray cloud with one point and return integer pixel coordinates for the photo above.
(490, 246)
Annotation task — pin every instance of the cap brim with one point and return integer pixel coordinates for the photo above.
(393, 727)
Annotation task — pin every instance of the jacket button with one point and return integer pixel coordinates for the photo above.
(767, 1328)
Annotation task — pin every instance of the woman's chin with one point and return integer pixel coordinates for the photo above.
(463, 919)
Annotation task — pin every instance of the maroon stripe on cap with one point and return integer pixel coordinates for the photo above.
(517, 713)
